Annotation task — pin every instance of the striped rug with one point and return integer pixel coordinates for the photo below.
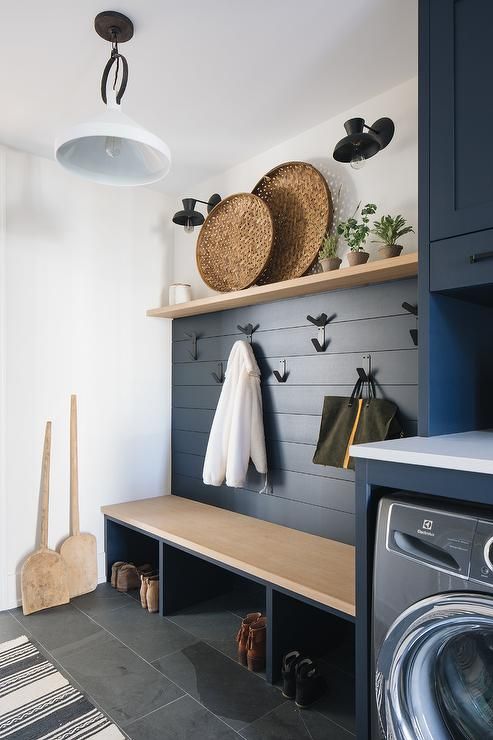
(38, 703)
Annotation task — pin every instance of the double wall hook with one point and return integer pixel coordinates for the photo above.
(321, 321)
(283, 376)
(414, 311)
(219, 378)
(193, 352)
(248, 329)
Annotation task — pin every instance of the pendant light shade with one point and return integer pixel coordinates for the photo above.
(111, 148)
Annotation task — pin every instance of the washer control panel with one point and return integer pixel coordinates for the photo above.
(482, 554)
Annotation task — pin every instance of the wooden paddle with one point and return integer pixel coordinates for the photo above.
(79, 551)
(43, 575)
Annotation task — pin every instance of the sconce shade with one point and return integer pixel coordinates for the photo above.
(362, 144)
(189, 216)
(113, 149)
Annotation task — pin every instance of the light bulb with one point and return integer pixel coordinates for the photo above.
(357, 161)
(113, 146)
(188, 226)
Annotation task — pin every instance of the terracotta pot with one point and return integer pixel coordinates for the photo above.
(389, 250)
(357, 258)
(330, 263)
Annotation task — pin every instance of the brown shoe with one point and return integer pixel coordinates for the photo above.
(242, 636)
(114, 570)
(127, 578)
(152, 594)
(256, 646)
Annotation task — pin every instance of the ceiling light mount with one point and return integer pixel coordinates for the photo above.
(360, 145)
(113, 26)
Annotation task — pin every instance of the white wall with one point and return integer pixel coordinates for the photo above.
(81, 264)
(390, 179)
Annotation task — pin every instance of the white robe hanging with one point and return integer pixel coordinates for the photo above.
(237, 433)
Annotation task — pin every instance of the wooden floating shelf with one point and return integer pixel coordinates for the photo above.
(379, 271)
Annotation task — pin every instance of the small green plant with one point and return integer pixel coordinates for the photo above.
(389, 229)
(329, 246)
(354, 232)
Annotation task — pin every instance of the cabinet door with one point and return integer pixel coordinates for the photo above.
(461, 117)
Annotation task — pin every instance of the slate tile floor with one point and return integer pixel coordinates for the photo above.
(176, 678)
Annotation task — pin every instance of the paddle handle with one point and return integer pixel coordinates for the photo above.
(45, 486)
(74, 469)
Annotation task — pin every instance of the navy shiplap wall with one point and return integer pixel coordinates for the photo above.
(305, 496)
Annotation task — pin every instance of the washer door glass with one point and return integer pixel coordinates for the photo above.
(434, 673)
(464, 683)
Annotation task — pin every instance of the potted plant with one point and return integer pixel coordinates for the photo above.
(389, 229)
(355, 233)
(327, 255)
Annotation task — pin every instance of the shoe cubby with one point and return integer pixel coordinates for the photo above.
(130, 545)
(318, 634)
(189, 580)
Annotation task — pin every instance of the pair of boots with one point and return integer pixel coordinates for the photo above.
(149, 592)
(251, 639)
(301, 679)
(126, 576)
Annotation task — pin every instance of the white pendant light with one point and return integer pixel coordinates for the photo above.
(111, 148)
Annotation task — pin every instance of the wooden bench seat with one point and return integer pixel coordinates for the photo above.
(316, 568)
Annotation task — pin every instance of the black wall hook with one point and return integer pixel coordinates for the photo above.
(321, 321)
(414, 311)
(281, 378)
(248, 329)
(219, 378)
(193, 336)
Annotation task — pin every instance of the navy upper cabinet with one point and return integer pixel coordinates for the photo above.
(461, 117)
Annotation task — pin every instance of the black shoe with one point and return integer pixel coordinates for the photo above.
(310, 684)
(289, 663)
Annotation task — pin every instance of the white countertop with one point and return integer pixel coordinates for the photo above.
(470, 451)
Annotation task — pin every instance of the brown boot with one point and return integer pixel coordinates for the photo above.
(114, 570)
(257, 645)
(242, 636)
(152, 594)
(127, 577)
(143, 591)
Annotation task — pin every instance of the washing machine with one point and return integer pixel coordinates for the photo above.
(432, 632)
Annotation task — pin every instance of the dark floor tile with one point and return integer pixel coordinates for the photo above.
(59, 626)
(226, 688)
(123, 684)
(287, 722)
(104, 599)
(338, 704)
(149, 635)
(212, 623)
(10, 628)
(184, 719)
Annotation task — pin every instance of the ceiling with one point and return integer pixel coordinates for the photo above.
(218, 80)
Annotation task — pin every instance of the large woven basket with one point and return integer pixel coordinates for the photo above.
(235, 242)
(300, 202)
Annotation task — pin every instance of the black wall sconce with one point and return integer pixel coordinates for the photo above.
(359, 145)
(189, 217)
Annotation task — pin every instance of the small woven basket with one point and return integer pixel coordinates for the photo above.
(235, 242)
(300, 202)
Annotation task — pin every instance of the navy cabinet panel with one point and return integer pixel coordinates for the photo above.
(461, 112)
(466, 261)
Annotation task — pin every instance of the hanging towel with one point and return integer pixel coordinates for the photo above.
(237, 432)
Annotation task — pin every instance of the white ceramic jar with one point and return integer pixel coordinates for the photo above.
(179, 293)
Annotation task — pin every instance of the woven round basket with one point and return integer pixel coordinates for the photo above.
(235, 242)
(300, 202)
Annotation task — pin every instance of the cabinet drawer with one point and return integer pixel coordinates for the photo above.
(462, 262)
